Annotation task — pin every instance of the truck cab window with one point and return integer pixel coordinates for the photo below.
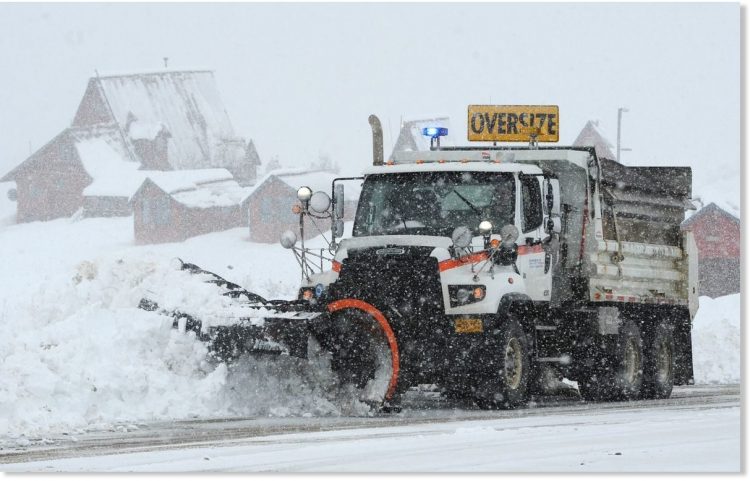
(532, 203)
(433, 203)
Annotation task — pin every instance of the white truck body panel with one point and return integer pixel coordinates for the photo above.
(623, 271)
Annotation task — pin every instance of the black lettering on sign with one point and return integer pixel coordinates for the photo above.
(512, 119)
(523, 119)
(490, 123)
(552, 124)
(541, 118)
(501, 123)
(474, 128)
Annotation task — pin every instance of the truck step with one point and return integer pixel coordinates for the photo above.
(564, 359)
(546, 328)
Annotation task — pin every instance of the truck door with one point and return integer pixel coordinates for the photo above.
(531, 253)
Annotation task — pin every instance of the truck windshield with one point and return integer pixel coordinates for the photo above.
(433, 203)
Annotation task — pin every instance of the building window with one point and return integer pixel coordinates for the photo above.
(155, 211)
(267, 210)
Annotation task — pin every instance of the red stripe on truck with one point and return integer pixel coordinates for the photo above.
(462, 261)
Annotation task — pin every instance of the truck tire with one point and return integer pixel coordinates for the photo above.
(659, 363)
(362, 357)
(618, 373)
(510, 370)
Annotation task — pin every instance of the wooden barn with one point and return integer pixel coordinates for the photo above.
(269, 204)
(159, 121)
(717, 236)
(592, 136)
(173, 206)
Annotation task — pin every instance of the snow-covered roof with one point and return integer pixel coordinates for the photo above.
(145, 130)
(187, 103)
(712, 207)
(410, 137)
(106, 160)
(316, 180)
(592, 135)
(199, 188)
(174, 181)
(213, 194)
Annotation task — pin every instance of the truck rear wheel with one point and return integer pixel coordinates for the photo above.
(510, 368)
(618, 374)
(363, 356)
(659, 366)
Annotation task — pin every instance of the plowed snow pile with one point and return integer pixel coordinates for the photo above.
(81, 353)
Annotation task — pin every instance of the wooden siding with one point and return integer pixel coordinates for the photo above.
(717, 236)
(50, 183)
(158, 218)
(269, 213)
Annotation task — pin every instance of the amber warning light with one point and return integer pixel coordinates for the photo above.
(514, 123)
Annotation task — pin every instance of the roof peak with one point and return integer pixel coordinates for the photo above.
(148, 73)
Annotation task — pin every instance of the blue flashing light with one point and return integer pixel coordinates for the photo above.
(319, 290)
(434, 132)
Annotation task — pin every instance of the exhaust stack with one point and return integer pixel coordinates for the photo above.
(377, 140)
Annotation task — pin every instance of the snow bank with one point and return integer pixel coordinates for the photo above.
(716, 340)
(82, 354)
(76, 352)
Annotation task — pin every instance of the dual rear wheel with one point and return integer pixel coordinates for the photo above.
(632, 366)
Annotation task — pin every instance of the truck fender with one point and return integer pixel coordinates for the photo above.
(515, 302)
(520, 305)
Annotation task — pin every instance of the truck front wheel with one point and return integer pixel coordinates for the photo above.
(617, 373)
(509, 368)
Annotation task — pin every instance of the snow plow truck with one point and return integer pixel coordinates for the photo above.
(482, 269)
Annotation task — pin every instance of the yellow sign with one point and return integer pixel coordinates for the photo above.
(468, 326)
(514, 123)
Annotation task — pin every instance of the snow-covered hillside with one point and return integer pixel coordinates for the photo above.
(76, 351)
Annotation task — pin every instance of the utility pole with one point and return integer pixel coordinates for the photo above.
(619, 132)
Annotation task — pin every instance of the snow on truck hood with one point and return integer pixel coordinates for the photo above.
(441, 244)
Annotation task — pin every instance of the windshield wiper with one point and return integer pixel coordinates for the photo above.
(473, 207)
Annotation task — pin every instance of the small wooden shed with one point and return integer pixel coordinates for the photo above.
(717, 236)
(269, 203)
(174, 206)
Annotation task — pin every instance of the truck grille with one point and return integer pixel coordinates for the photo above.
(407, 284)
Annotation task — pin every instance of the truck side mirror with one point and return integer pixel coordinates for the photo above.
(338, 228)
(552, 197)
(338, 201)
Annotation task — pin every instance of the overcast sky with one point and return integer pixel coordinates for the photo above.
(302, 79)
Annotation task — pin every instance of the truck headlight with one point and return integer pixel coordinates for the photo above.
(469, 294)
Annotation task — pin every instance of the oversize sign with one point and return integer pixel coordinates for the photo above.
(514, 123)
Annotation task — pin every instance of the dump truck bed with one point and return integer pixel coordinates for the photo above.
(642, 256)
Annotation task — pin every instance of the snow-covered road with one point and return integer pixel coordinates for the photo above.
(698, 429)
